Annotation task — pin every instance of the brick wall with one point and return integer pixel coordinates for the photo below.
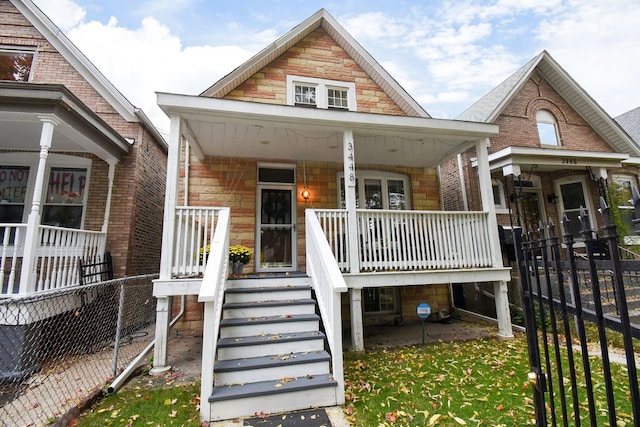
(317, 56)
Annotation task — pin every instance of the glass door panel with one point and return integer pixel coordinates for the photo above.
(276, 229)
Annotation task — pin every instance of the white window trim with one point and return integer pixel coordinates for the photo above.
(384, 177)
(22, 49)
(53, 161)
(321, 92)
(633, 180)
(501, 207)
(544, 116)
(587, 197)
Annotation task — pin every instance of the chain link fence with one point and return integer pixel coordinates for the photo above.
(61, 348)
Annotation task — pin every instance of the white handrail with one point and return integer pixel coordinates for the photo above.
(328, 284)
(212, 294)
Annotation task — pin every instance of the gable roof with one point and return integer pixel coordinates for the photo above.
(84, 66)
(489, 107)
(630, 122)
(320, 19)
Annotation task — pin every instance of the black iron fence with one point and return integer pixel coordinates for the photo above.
(60, 348)
(574, 305)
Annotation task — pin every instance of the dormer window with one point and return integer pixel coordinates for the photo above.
(15, 64)
(320, 93)
(547, 128)
(305, 95)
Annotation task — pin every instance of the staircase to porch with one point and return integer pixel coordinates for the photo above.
(271, 353)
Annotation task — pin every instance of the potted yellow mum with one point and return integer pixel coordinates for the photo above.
(239, 256)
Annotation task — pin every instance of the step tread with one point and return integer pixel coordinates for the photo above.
(263, 388)
(270, 339)
(268, 319)
(259, 289)
(270, 303)
(234, 365)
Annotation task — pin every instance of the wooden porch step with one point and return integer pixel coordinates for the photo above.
(283, 324)
(268, 307)
(265, 345)
(267, 293)
(266, 368)
(284, 394)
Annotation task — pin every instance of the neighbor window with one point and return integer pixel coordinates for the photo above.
(498, 194)
(547, 128)
(321, 93)
(15, 64)
(64, 204)
(13, 191)
(623, 198)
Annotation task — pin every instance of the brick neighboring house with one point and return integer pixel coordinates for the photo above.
(82, 170)
(314, 157)
(556, 150)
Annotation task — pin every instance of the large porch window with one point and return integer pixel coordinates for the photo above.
(573, 195)
(65, 193)
(622, 197)
(378, 190)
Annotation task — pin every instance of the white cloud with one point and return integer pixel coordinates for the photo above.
(66, 14)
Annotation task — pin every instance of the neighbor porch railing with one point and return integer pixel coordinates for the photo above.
(390, 240)
(57, 255)
(194, 227)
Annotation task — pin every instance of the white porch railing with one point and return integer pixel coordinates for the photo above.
(194, 229)
(56, 258)
(391, 240)
(212, 294)
(328, 284)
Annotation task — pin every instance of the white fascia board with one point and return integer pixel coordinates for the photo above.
(214, 108)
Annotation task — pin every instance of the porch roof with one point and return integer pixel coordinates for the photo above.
(511, 158)
(80, 130)
(233, 128)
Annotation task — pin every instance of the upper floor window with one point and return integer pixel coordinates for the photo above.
(547, 128)
(15, 64)
(320, 93)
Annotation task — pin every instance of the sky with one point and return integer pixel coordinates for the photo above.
(445, 53)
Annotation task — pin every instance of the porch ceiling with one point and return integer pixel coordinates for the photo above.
(80, 130)
(228, 128)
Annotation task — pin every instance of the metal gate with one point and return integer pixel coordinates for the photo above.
(574, 300)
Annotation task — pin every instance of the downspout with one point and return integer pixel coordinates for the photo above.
(126, 373)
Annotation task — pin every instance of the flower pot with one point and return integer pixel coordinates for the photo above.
(237, 267)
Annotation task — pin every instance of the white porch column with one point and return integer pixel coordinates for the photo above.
(500, 288)
(349, 163)
(28, 276)
(357, 331)
(163, 305)
(107, 208)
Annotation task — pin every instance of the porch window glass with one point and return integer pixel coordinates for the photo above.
(572, 199)
(305, 95)
(380, 190)
(64, 204)
(380, 300)
(498, 194)
(13, 190)
(547, 128)
(15, 64)
(622, 197)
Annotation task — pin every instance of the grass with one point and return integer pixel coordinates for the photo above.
(474, 383)
(161, 405)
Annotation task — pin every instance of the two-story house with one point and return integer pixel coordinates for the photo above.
(556, 151)
(315, 158)
(82, 172)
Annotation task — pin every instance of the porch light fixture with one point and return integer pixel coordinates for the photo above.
(305, 194)
(552, 198)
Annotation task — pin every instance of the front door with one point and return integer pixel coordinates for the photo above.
(276, 219)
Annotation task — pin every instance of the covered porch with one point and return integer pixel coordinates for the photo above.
(50, 142)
